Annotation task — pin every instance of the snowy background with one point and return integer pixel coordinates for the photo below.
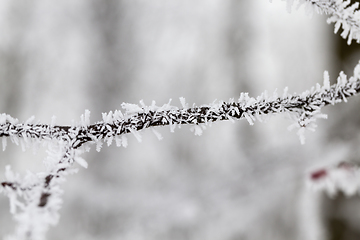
(235, 182)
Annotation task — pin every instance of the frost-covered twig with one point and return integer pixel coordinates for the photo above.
(138, 117)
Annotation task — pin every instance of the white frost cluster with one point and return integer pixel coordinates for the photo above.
(342, 13)
(24, 195)
(345, 178)
(35, 199)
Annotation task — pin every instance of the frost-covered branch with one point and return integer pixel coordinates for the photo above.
(138, 117)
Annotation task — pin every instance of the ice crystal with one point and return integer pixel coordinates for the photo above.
(4, 143)
(197, 129)
(124, 141)
(157, 134)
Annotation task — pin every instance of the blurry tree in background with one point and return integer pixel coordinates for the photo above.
(235, 181)
(342, 213)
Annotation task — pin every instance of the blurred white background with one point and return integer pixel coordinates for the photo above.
(235, 182)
